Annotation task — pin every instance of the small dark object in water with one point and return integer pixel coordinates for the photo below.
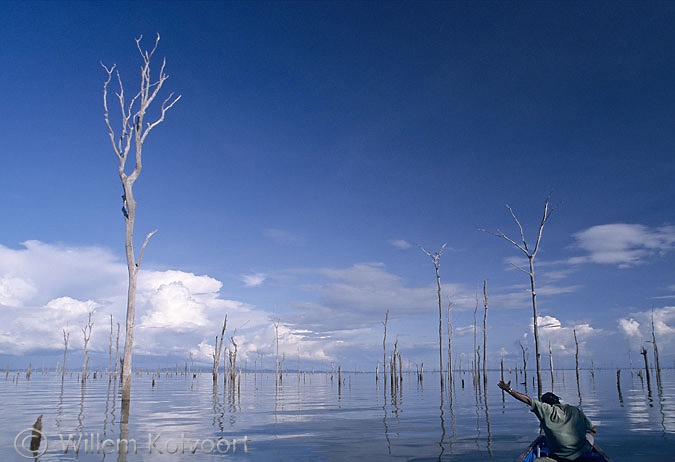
(37, 435)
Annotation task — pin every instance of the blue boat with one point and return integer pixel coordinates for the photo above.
(538, 448)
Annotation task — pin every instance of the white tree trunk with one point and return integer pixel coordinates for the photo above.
(133, 132)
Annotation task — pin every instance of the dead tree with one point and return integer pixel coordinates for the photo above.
(476, 359)
(485, 313)
(233, 358)
(436, 258)
(117, 350)
(277, 376)
(449, 325)
(530, 254)
(133, 132)
(384, 349)
(86, 332)
(110, 349)
(576, 356)
(643, 352)
(550, 362)
(524, 351)
(66, 338)
(657, 364)
(218, 350)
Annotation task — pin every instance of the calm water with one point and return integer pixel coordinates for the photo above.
(311, 418)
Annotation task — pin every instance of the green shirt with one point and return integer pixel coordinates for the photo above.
(565, 428)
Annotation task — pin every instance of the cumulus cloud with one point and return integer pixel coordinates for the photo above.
(623, 244)
(639, 324)
(548, 323)
(561, 336)
(46, 289)
(630, 327)
(14, 290)
(172, 306)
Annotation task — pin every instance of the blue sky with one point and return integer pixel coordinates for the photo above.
(315, 147)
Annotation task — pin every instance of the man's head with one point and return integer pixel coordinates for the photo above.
(550, 398)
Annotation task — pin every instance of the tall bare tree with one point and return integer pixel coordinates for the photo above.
(132, 133)
(530, 254)
(436, 258)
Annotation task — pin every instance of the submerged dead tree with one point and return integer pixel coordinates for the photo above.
(657, 364)
(524, 351)
(449, 325)
(485, 313)
(384, 349)
(66, 338)
(277, 374)
(218, 350)
(436, 258)
(110, 349)
(132, 133)
(476, 349)
(643, 352)
(233, 358)
(86, 332)
(550, 363)
(530, 254)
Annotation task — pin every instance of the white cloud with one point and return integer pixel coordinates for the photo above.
(630, 327)
(172, 306)
(638, 327)
(59, 285)
(623, 244)
(548, 323)
(561, 336)
(253, 279)
(38, 272)
(14, 290)
(399, 244)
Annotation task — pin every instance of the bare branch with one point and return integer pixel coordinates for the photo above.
(106, 114)
(147, 238)
(520, 227)
(436, 256)
(501, 235)
(520, 268)
(166, 105)
(547, 213)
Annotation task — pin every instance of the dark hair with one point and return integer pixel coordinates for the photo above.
(550, 398)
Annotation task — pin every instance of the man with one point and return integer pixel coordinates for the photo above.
(565, 426)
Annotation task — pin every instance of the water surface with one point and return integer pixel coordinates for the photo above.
(314, 417)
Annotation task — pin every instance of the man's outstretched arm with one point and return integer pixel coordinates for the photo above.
(506, 386)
